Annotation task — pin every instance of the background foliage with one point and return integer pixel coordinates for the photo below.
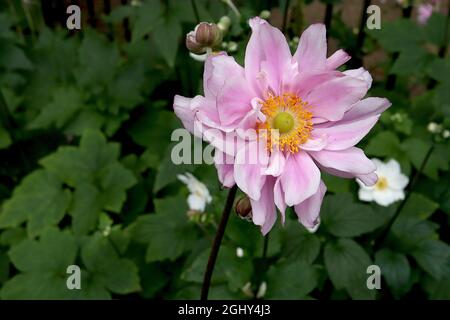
(86, 176)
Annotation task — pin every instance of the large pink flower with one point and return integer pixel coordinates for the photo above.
(319, 114)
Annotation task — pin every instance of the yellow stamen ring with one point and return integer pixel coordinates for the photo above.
(289, 115)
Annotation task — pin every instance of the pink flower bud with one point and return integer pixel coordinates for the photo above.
(205, 35)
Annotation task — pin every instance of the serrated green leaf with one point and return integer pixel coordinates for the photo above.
(342, 217)
(40, 200)
(433, 256)
(346, 263)
(167, 233)
(117, 274)
(290, 280)
(395, 269)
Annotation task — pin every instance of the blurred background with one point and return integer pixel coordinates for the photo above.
(86, 177)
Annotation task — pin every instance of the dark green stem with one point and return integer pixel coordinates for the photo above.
(216, 244)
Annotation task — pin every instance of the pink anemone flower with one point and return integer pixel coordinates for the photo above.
(317, 112)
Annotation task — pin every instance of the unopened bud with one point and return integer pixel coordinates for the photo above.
(265, 14)
(205, 35)
(244, 208)
(224, 23)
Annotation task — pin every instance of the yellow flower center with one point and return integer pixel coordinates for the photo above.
(290, 116)
(381, 184)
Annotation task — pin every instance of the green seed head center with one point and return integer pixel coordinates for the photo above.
(284, 122)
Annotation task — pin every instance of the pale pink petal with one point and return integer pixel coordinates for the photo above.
(219, 68)
(249, 166)
(361, 74)
(345, 134)
(263, 210)
(332, 99)
(276, 163)
(234, 101)
(300, 179)
(337, 59)
(303, 83)
(266, 57)
(311, 52)
(368, 179)
(351, 161)
(316, 142)
(279, 199)
(367, 108)
(308, 211)
(182, 108)
(225, 168)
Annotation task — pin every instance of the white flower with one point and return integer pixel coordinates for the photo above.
(199, 197)
(262, 290)
(446, 134)
(389, 187)
(239, 252)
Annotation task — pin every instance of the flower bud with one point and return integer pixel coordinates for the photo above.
(244, 208)
(224, 23)
(265, 14)
(205, 35)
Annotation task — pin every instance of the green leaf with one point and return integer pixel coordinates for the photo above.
(416, 149)
(43, 263)
(168, 171)
(98, 61)
(99, 179)
(40, 200)
(299, 244)
(5, 138)
(230, 269)
(12, 57)
(387, 144)
(344, 218)
(167, 233)
(395, 269)
(346, 263)
(418, 206)
(400, 35)
(147, 17)
(438, 289)
(117, 274)
(291, 280)
(153, 130)
(167, 37)
(64, 104)
(4, 267)
(433, 256)
(410, 62)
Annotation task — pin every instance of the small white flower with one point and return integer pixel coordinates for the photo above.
(199, 197)
(389, 187)
(262, 290)
(239, 252)
(446, 134)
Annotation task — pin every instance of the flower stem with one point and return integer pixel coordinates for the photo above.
(217, 241)
(384, 233)
(285, 16)
(194, 8)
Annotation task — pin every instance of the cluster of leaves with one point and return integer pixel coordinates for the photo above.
(86, 177)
